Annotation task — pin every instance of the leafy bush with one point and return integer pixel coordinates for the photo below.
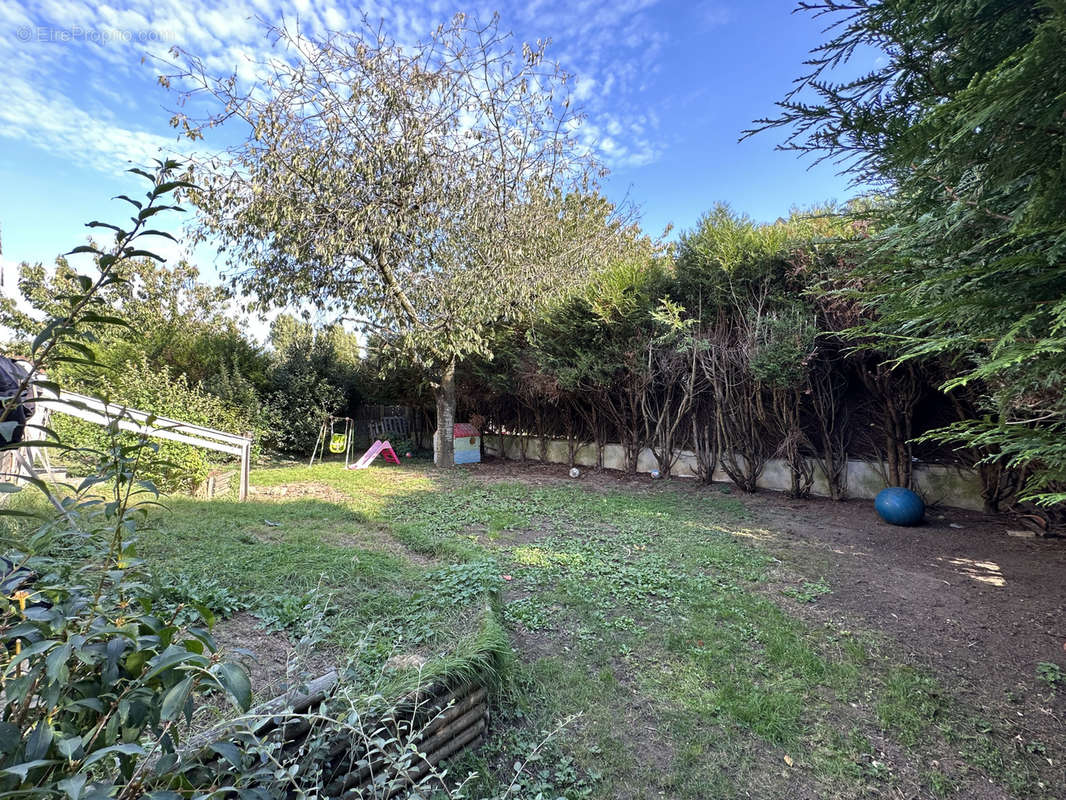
(783, 348)
(185, 597)
(100, 679)
(303, 614)
(312, 376)
(95, 681)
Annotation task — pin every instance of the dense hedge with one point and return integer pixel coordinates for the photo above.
(740, 346)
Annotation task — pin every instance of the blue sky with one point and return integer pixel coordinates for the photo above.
(667, 86)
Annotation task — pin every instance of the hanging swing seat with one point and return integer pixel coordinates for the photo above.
(337, 442)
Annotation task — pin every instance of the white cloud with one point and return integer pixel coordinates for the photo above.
(88, 96)
(715, 14)
(55, 124)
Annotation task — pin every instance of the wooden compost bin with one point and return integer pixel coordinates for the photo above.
(439, 721)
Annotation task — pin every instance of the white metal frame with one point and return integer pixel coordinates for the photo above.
(99, 412)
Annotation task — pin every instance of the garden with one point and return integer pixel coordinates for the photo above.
(659, 638)
(623, 542)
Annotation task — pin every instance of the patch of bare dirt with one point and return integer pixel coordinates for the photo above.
(299, 491)
(534, 473)
(273, 660)
(957, 593)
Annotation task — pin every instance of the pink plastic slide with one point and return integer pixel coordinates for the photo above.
(384, 449)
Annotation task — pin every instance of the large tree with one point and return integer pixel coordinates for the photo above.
(963, 121)
(427, 189)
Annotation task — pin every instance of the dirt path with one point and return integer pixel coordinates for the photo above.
(977, 606)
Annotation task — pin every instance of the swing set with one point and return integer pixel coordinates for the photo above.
(338, 441)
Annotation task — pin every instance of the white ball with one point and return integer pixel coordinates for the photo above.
(655, 473)
(574, 472)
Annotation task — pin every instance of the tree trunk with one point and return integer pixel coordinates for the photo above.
(443, 441)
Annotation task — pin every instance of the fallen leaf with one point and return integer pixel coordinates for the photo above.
(789, 761)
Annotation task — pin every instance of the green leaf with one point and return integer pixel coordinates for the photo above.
(91, 703)
(69, 746)
(145, 254)
(39, 742)
(125, 749)
(102, 319)
(14, 512)
(97, 224)
(135, 661)
(170, 658)
(21, 770)
(56, 663)
(228, 751)
(170, 186)
(50, 386)
(154, 232)
(30, 652)
(234, 679)
(139, 205)
(174, 700)
(73, 785)
(207, 614)
(10, 738)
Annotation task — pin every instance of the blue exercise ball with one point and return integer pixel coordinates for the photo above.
(899, 506)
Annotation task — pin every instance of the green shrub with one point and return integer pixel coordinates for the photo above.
(95, 684)
(185, 597)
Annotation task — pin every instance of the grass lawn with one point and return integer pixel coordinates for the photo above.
(652, 657)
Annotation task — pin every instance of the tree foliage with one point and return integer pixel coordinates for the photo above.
(963, 122)
(171, 319)
(430, 190)
(313, 374)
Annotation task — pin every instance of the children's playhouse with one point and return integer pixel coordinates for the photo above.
(467, 443)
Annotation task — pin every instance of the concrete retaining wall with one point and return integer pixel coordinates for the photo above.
(945, 485)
